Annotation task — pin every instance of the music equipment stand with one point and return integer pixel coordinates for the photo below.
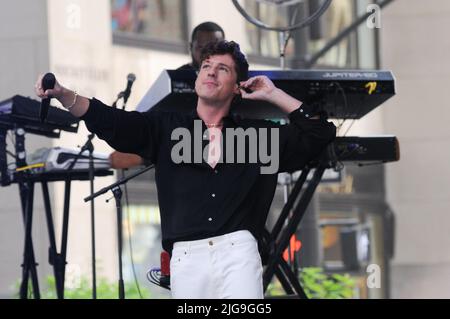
(117, 192)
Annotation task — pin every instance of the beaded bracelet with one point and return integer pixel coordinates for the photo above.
(74, 100)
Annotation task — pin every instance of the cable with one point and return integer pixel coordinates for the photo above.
(130, 244)
(370, 164)
(339, 157)
(344, 98)
(339, 89)
(13, 141)
(11, 136)
(11, 169)
(349, 127)
(348, 153)
(10, 153)
(339, 122)
(23, 168)
(346, 108)
(154, 275)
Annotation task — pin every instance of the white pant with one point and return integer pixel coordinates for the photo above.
(227, 266)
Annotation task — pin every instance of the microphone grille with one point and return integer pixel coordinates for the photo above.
(131, 77)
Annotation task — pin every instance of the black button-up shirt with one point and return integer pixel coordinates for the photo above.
(197, 201)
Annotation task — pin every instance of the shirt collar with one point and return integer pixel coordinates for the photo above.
(232, 119)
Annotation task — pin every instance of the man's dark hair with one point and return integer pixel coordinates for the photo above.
(206, 27)
(231, 48)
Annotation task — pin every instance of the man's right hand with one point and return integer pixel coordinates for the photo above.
(57, 92)
(120, 160)
(69, 99)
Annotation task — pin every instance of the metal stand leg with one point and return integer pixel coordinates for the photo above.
(29, 264)
(118, 196)
(280, 237)
(58, 261)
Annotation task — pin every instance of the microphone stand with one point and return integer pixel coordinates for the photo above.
(118, 196)
(123, 96)
(117, 192)
(119, 96)
(126, 93)
(90, 148)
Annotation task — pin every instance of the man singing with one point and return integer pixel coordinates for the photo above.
(213, 209)
(201, 35)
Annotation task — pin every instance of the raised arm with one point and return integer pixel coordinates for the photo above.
(306, 135)
(263, 89)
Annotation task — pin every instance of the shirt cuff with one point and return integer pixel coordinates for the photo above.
(306, 111)
(91, 113)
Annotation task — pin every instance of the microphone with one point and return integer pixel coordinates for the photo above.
(126, 94)
(47, 83)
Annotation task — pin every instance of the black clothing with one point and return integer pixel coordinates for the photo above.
(197, 201)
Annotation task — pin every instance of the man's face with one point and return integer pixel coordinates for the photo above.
(217, 79)
(202, 38)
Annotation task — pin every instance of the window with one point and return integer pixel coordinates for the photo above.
(357, 50)
(150, 23)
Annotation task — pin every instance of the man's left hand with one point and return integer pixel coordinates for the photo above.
(261, 88)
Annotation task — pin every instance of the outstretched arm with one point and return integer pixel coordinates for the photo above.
(129, 132)
(76, 104)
